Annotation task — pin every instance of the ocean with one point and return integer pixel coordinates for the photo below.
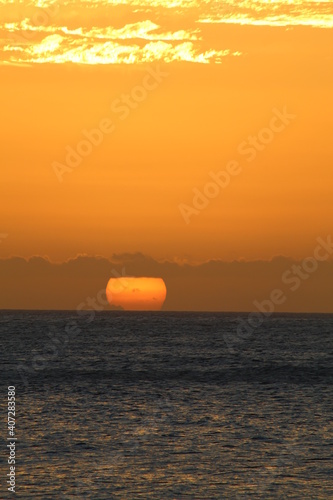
(120, 405)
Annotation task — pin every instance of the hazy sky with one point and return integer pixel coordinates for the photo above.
(118, 115)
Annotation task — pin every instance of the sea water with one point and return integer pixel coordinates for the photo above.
(168, 405)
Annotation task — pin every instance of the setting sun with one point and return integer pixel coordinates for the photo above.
(166, 248)
(136, 294)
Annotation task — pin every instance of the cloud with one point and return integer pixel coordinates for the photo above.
(213, 286)
(134, 43)
(315, 21)
(142, 30)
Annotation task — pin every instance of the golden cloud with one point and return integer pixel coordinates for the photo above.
(78, 31)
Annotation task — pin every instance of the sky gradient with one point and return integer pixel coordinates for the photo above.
(184, 131)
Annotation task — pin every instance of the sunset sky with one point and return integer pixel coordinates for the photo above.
(116, 114)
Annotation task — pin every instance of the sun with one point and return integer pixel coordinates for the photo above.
(136, 293)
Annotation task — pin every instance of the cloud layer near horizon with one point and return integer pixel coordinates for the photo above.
(211, 286)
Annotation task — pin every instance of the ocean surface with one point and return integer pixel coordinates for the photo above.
(118, 405)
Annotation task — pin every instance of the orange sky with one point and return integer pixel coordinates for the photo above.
(224, 68)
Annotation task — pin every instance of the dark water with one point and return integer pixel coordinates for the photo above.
(169, 406)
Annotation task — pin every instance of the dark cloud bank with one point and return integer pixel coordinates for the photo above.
(211, 286)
